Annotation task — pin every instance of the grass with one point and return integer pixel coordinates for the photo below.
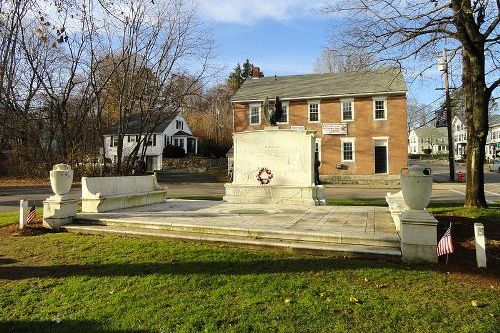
(13, 217)
(115, 284)
(492, 213)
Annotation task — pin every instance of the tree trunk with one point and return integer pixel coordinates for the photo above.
(476, 112)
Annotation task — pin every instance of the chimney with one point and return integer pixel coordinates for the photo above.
(256, 73)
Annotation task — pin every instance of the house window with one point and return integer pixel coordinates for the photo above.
(152, 140)
(176, 142)
(179, 124)
(114, 141)
(181, 143)
(347, 110)
(284, 118)
(348, 152)
(379, 109)
(313, 107)
(255, 114)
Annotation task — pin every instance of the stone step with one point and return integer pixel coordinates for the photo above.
(347, 250)
(375, 239)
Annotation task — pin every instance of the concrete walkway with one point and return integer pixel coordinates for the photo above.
(356, 230)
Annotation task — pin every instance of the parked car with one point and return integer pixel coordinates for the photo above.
(495, 166)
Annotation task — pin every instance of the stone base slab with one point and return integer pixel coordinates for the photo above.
(418, 236)
(57, 213)
(313, 195)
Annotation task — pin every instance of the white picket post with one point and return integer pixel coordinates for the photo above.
(480, 244)
(23, 213)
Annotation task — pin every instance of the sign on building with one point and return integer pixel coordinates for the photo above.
(334, 128)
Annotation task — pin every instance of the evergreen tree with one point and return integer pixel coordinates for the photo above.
(239, 75)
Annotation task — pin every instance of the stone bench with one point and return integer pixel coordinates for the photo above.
(101, 194)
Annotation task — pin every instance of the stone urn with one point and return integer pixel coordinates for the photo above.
(416, 185)
(61, 178)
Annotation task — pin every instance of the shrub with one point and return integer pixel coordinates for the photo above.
(210, 148)
(173, 152)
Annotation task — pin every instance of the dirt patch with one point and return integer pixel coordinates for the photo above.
(462, 263)
(33, 229)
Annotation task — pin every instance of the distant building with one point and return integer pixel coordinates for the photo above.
(359, 117)
(459, 136)
(435, 139)
(173, 131)
(493, 139)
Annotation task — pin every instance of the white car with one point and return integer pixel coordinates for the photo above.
(495, 166)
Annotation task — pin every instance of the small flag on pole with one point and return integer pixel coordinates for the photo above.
(31, 215)
(445, 245)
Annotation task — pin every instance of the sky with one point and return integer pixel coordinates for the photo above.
(282, 37)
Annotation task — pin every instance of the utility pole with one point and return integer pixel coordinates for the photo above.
(451, 148)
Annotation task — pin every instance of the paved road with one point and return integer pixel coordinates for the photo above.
(9, 200)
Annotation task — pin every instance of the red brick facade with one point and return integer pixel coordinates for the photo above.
(366, 132)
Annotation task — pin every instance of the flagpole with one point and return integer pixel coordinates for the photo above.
(447, 254)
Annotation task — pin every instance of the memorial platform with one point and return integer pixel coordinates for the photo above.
(339, 230)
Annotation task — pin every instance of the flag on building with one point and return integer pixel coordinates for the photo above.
(445, 245)
(31, 215)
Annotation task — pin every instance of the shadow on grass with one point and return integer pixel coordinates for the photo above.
(195, 267)
(70, 326)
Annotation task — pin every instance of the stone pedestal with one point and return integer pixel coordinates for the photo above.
(418, 236)
(58, 211)
(286, 157)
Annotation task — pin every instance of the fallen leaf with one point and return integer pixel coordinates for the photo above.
(366, 280)
(56, 320)
(353, 299)
(287, 301)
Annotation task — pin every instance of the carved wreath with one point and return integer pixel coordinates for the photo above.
(264, 176)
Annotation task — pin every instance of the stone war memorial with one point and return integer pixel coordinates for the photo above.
(274, 166)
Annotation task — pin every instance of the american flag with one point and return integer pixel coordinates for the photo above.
(445, 245)
(31, 215)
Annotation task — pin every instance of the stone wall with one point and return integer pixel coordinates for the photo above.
(192, 164)
(378, 181)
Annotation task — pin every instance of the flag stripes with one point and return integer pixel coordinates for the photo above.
(445, 245)
(31, 215)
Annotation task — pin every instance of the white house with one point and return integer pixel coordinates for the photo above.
(459, 136)
(493, 139)
(173, 131)
(435, 139)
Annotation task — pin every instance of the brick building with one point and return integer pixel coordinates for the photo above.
(359, 117)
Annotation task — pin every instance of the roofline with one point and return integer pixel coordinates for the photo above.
(399, 92)
(124, 134)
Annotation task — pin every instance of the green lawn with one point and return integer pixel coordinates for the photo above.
(115, 284)
(13, 217)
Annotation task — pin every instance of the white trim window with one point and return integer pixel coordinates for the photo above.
(254, 114)
(113, 141)
(347, 149)
(380, 108)
(347, 109)
(318, 148)
(285, 117)
(313, 111)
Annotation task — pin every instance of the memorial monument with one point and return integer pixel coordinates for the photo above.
(274, 166)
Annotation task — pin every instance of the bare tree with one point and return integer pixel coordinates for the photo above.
(397, 30)
(150, 48)
(337, 61)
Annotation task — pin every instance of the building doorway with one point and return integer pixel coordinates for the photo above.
(381, 155)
